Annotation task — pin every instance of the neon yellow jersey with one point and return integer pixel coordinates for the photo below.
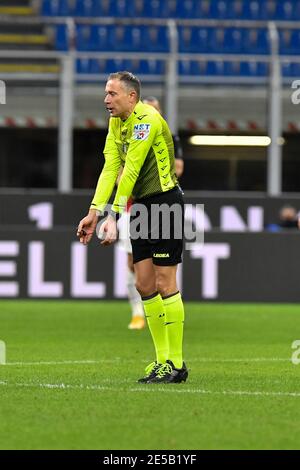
(143, 145)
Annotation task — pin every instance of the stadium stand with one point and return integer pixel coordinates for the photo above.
(20, 32)
(140, 26)
(142, 36)
(288, 10)
(22, 8)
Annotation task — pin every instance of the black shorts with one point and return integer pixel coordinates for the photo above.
(156, 232)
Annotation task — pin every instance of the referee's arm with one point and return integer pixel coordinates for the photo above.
(109, 174)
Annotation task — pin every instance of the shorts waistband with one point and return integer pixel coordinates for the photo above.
(153, 196)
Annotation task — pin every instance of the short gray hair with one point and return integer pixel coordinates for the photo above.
(129, 80)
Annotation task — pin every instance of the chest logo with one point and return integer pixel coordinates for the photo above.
(141, 131)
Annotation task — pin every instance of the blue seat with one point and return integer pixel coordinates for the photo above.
(101, 38)
(214, 9)
(155, 39)
(254, 69)
(48, 8)
(61, 38)
(151, 67)
(65, 8)
(286, 69)
(154, 9)
(55, 8)
(234, 9)
(194, 68)
(215, 68)
(117, 64)
(83, 37)
(98, 66)
(289, 41)
(188, 67)
(268, 9)
(127, 38)
(118, 8)
(138, 9)
(231, 68)
(285, 10)
(170, 9)
(295, 70)
(91, 66)
(102, 8)
(295, 41)
(220, 9)
(189, 9)
(227, 40)
(285, 36)
(194, 39)
(296, 10)
(84, 8)
(93, 38)
(186, 9)
(216, 40)
(251, 10)
(83, 66)
(146, 9)
(217, 9)
(255, 41)
(185, 39)
(233, 40)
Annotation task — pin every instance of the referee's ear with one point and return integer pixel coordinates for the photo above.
(133, 96)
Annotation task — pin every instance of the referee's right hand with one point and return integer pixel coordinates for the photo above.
(87, 226)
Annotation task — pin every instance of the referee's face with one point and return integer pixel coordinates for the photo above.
(119, 100)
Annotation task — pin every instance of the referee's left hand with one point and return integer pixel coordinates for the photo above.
(110, 231)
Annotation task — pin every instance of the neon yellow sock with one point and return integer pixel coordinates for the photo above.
(156, 317)
(174, 326)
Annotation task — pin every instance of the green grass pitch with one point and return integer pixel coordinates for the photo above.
(70, 379)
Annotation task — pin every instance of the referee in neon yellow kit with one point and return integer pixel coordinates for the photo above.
(140, 140)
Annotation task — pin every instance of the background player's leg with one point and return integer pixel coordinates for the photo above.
(137, 309)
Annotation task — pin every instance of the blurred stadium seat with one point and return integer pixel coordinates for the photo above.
(194, 39)
(153, 38)
(290, 69)
(56, 8)
(286, 10)
(127, 38)
(61, 38)
(93, 37)
(289, 41)
(255, 41)
(104, 66)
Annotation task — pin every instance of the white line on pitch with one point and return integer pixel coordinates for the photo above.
(54, 363)
(131, 361)
(166, 389)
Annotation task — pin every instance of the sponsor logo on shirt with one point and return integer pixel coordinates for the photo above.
(141, 131)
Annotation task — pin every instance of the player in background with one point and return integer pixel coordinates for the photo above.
(138, 321)
(137, 311)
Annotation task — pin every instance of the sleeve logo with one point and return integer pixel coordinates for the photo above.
(141, 131)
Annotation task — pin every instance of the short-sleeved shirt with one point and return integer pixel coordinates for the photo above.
(143, 145)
